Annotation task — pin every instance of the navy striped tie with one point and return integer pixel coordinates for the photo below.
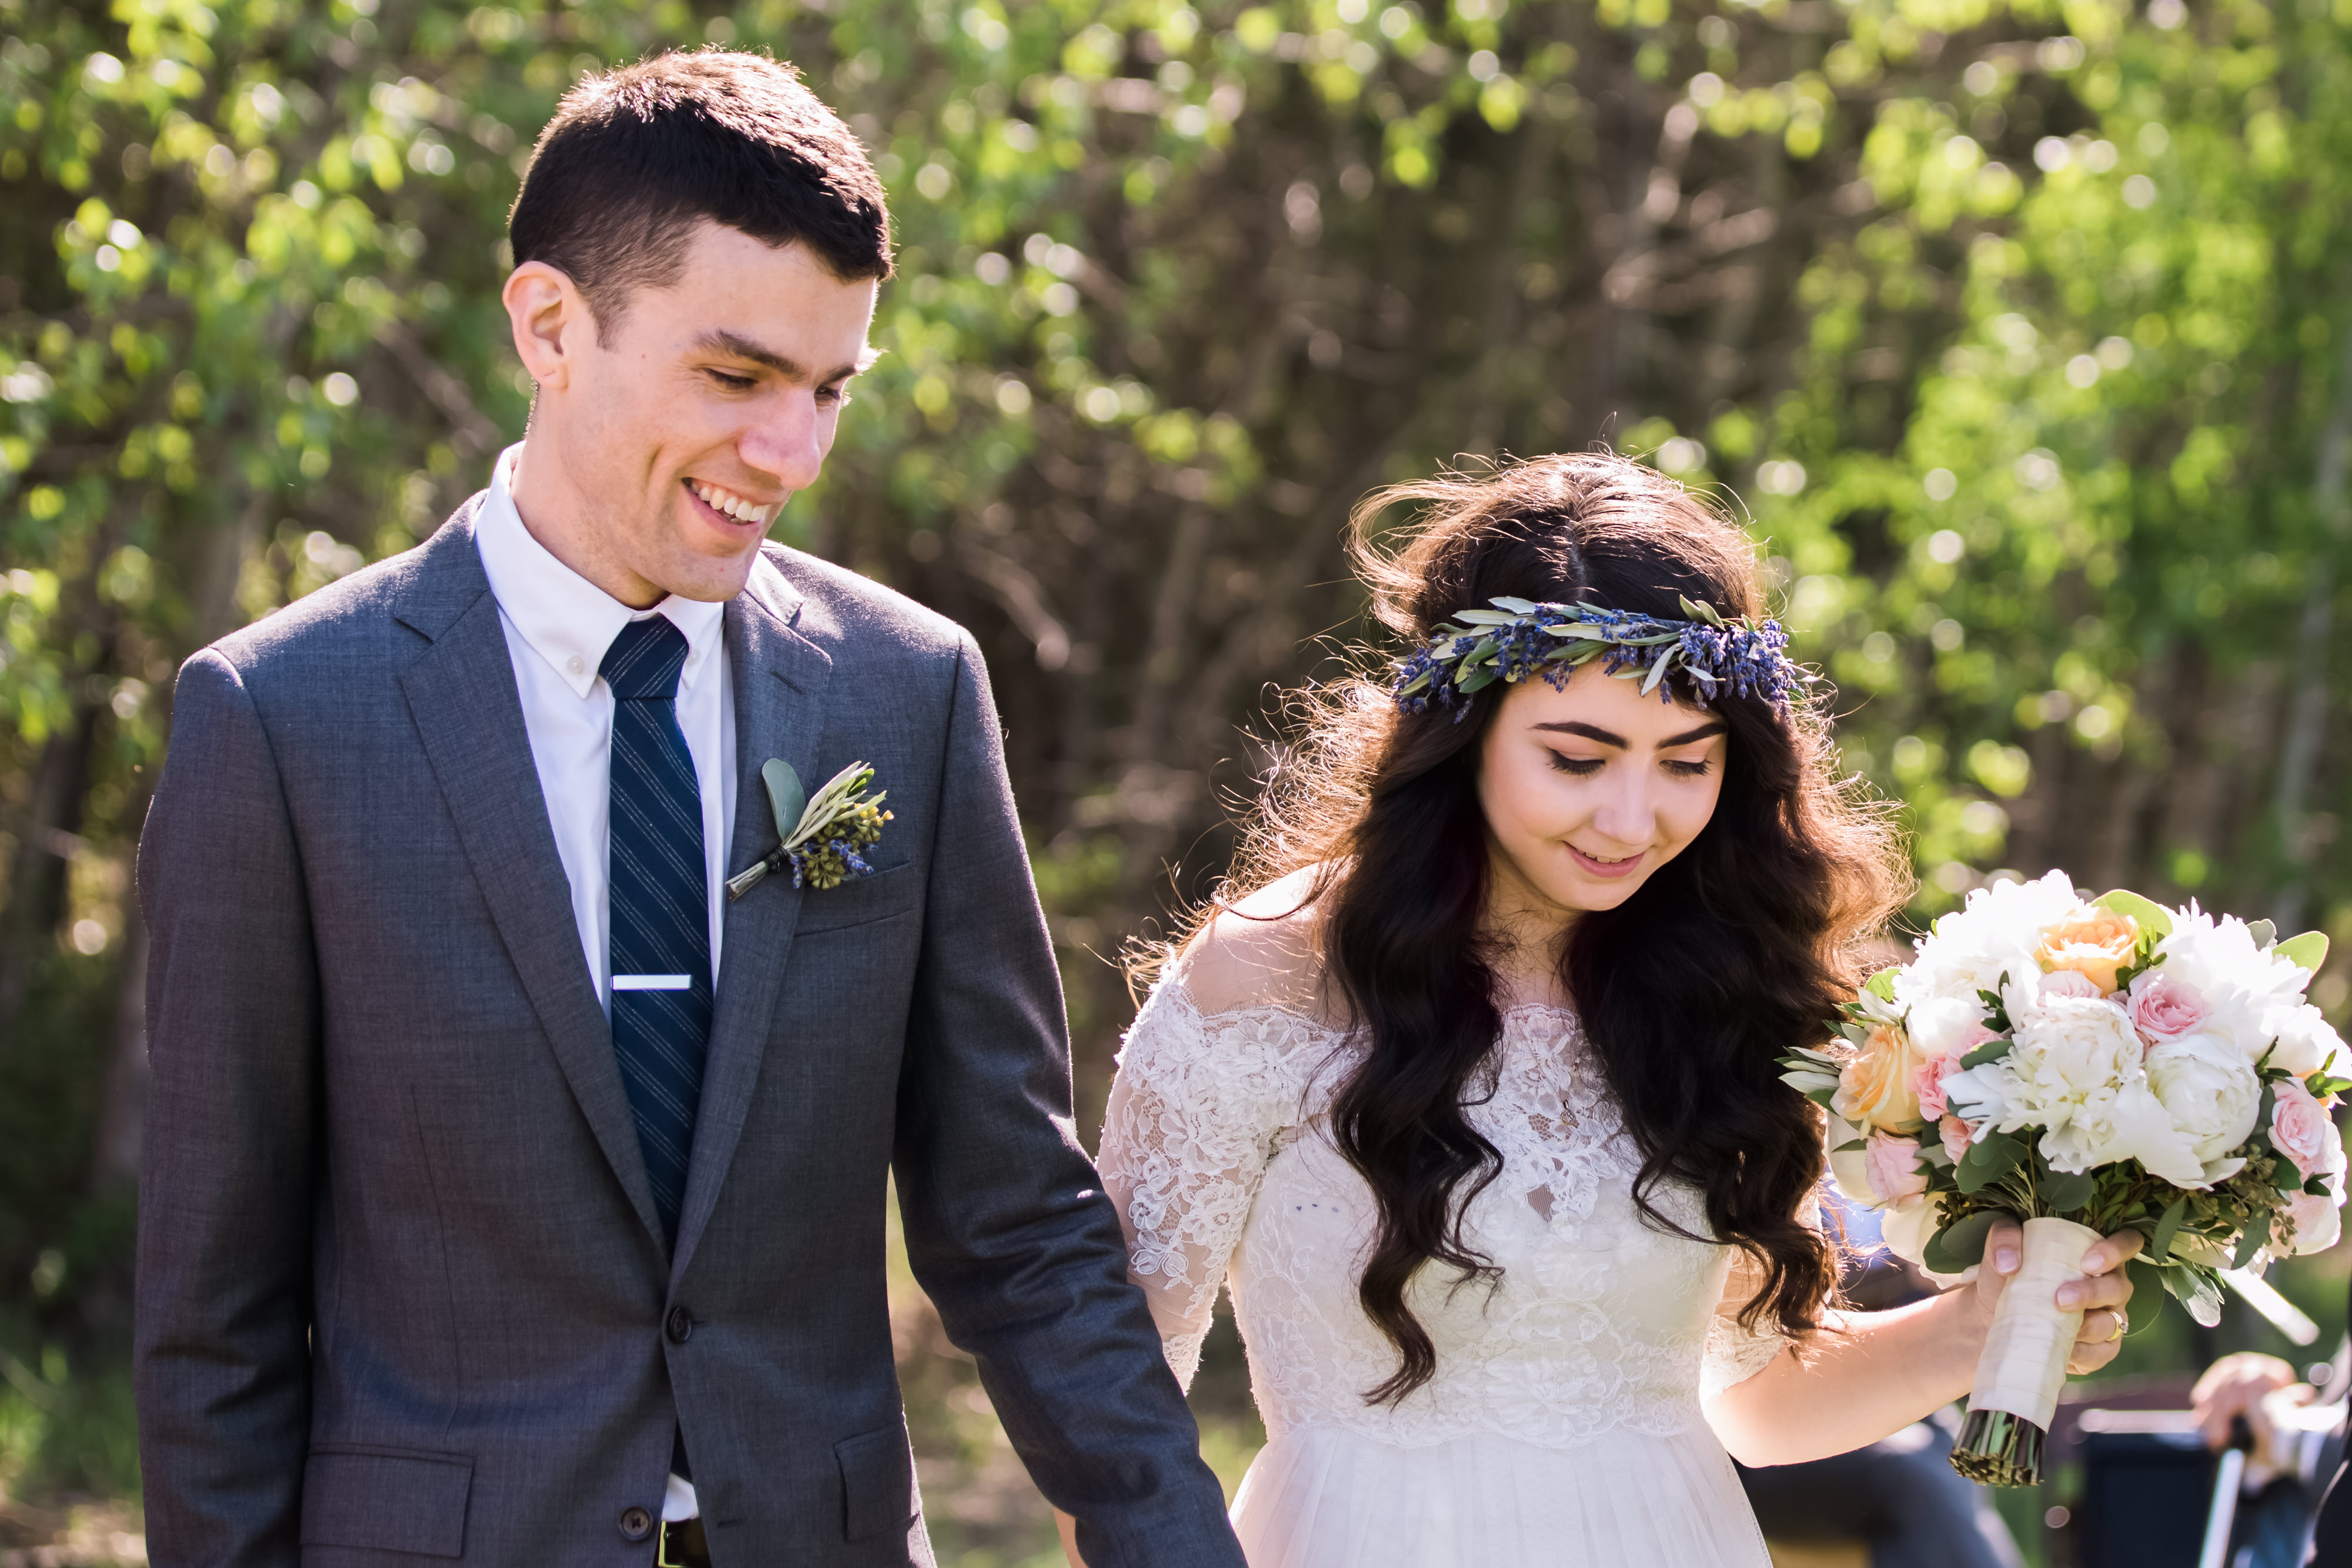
(660, 945)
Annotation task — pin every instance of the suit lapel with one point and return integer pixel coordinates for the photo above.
(462, 695)
(779, 678)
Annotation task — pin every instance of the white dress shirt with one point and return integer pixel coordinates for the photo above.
(558, 626)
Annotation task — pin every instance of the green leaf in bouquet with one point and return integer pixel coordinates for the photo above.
(1856, 1146)
(2159, 1244)
(1882, 985)
(1989, 1161)
(2310, 950)
(2066, 1191)
(2323, 1085)
(2197, 1290)
(2249, 1244)
(1990, 1051)
(1959, 1245)
(2316, 1185)
(2151, 916)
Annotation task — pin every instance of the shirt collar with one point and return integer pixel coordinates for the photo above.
(567, 620)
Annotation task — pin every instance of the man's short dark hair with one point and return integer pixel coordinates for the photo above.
(635, 157)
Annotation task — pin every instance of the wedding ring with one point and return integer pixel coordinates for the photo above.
(2122, 1323)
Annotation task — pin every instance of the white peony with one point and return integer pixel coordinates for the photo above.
(2246, 989)
(2075, 1072)
(1850, 1168)
(2306, 1041)
(2212, 1094)
(1995, 932)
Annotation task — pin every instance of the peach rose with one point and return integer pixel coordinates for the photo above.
(2299, 1126)
(1955, 1133)
(1895, 1173)
(2092, 942)
(1875, 1086)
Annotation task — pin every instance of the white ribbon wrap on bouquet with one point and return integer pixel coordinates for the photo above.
(2024, 1361)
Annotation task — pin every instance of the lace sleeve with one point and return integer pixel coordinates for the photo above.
(1736, 1353)
(1192, 1119)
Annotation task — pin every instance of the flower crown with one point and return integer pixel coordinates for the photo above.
(1515, 638)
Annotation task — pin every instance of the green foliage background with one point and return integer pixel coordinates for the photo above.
(2020, 330)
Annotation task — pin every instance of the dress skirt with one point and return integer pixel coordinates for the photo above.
(1325, 1497)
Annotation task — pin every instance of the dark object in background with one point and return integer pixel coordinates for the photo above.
(2144, 1500)
(1900, 1495)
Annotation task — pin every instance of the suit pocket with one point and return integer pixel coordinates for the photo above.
(860, 901)
(877, 1483)
(386, 1499)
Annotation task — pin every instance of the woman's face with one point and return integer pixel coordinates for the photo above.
(1590, 789)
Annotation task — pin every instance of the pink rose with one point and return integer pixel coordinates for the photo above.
(2300, 1128)
(1927, 1077)
(1894, 1166)
(1955, 1133)
(2165, 1008)
(2317, 1220)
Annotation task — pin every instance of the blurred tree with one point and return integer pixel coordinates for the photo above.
(2018, 326)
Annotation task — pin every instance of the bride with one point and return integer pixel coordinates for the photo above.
(1468, 1091)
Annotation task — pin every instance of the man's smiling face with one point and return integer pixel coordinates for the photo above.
(669, 447)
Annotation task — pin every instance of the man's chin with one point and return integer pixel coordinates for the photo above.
(710, 579)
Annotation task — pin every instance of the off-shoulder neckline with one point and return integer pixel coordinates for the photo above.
(1297, 1014)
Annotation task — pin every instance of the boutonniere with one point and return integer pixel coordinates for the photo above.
(823, 839)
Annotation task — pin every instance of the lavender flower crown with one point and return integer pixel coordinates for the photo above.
(1517, 639)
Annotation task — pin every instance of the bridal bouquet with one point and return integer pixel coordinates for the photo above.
(2085, 1068)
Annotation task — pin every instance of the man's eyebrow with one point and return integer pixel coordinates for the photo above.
(1594, 732)
(718, 341)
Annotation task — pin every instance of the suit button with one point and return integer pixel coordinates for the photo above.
(681, 1326)
(636, 1524)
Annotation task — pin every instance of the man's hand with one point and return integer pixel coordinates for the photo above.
(2241, 1385)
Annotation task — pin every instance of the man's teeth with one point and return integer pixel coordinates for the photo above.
(734, 506)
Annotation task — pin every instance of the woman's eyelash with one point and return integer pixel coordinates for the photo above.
(1585, 766)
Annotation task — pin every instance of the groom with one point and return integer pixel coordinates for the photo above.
(512, 1197)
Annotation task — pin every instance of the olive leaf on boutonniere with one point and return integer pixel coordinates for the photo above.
(823, 839)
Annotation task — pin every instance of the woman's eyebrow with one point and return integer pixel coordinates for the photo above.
(1594, 732)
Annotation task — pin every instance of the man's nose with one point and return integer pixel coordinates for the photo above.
(789, 442)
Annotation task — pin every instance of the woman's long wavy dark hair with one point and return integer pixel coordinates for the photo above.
(1736, 950)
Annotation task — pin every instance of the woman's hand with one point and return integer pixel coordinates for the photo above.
(2105, 1295)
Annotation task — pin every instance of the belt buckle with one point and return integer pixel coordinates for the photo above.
(683, 1545)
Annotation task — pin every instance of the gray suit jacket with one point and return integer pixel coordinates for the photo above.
(402, 1292)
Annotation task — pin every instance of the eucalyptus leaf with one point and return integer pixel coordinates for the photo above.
(2310, 950)
(2159, 1242)
(1515, 606)
(1990, 1051)
(1485, 617)
(1475, 680)
(2149, 914)
(1988, 1161)
(2066, 1191)
(1959, 1245)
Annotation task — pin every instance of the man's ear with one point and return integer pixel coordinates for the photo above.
(551, 320)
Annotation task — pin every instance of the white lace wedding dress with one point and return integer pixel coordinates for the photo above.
(1563, 1426)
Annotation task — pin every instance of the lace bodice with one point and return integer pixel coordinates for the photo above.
(1217, 1152)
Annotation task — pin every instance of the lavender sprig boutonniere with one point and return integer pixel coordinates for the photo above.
(823, 841)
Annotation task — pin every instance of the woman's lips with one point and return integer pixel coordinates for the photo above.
(1605, 869)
